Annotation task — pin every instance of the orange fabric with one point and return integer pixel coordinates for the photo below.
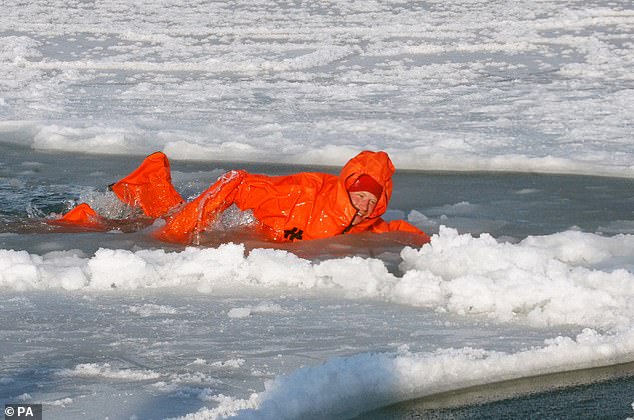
(149, 187)
(381, 226)
(307, 205)
(83, 216)
(287, 207)
(185, 225)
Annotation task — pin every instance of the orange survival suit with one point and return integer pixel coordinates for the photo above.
(307, 205)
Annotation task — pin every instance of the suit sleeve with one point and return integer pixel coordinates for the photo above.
(381, 226)
(184, 225)
(403, 226)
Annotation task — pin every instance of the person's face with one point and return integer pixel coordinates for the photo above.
(364, 202)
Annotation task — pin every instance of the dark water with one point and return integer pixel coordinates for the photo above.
(512, 205)
(601, 393)
(518, 205)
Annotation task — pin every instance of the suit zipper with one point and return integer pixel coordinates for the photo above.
(346, 230)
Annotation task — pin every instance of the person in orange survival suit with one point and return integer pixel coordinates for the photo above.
(307, 205)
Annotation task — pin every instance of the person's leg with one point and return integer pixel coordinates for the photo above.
(149, 187)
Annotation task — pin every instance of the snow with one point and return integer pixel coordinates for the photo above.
(115, 325)
(570, 278)
(106, 371)
(556, 280)
(439, 85)
(262, 308)
(354, 384)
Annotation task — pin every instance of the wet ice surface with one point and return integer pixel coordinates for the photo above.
(168, 353)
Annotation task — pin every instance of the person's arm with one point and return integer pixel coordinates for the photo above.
(191, 219)
(403, 226)
(381, 226)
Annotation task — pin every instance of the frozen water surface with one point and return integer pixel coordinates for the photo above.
(541, 86)
(167, 353)
(510, 124)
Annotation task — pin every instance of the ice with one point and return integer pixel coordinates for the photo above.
(345, 387)
(149, 309)
(565, 280)
(106, 371)
(246, 312)
(561, 279)
(483, 86)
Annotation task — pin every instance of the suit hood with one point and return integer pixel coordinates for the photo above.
(375, 164)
